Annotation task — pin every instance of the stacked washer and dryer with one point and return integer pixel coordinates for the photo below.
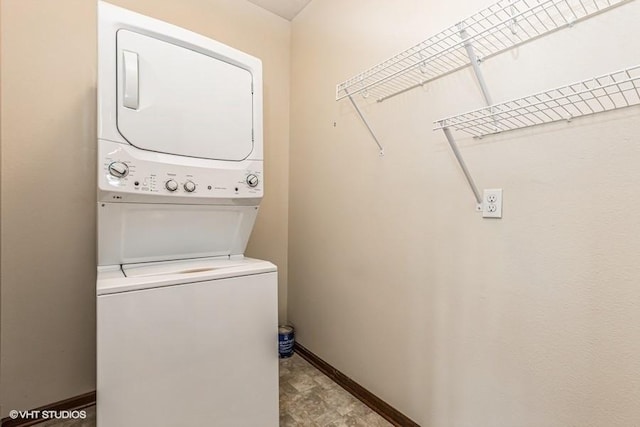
(186, 325)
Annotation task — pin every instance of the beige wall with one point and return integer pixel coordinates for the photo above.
(48, 202)
(48, 178)
(394, 279)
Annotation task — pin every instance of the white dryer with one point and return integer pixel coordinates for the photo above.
(186, 325)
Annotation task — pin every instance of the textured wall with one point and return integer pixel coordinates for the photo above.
(395, 280)
(48, 202)
(48, 178)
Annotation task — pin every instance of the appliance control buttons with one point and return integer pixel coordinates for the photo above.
(189, 187)
(118, 169)
(252, 180)
(171, 185)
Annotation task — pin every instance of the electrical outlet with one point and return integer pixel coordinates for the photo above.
(492, 203)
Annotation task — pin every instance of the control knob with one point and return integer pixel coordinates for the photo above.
(252, 180)
(171, 185)
(189, 187)
(118, 169)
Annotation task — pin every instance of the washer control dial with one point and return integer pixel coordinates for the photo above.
(171, 185)
(252, 180)
(118, 169)
(189, 187)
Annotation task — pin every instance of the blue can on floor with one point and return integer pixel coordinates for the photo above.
(286, 340)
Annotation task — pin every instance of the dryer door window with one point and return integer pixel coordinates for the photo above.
(178, 101)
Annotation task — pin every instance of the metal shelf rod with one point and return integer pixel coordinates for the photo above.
(366, 123)
(463, 166)
(475, 63)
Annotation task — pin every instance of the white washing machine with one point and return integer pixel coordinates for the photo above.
(186, 325)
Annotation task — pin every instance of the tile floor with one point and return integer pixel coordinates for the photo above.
(307, 398)
(310, 398)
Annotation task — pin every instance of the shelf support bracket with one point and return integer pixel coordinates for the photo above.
(364, 120)
(463, 166)
(475, 63)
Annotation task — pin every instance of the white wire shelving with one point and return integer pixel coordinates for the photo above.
(495, 29)
(611, 91)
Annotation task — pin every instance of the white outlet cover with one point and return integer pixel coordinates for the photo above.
(492, 203)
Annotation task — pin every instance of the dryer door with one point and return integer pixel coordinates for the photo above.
(178, 101)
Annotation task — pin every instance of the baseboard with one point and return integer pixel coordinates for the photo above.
(385, 410)
(73, 403)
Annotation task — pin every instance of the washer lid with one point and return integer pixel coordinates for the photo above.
(186, 267)
(133, 277)
(179, 101)
(146, 232)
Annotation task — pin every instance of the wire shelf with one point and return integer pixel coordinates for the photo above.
(499, 27)
(608, 92)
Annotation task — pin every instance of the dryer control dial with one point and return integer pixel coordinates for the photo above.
(118, 169)
(171, 185)
(252, 180)
(189, 187)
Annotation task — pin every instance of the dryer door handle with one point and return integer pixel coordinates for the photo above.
(130, 80)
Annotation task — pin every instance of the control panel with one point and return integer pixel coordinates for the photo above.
(126, 169)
